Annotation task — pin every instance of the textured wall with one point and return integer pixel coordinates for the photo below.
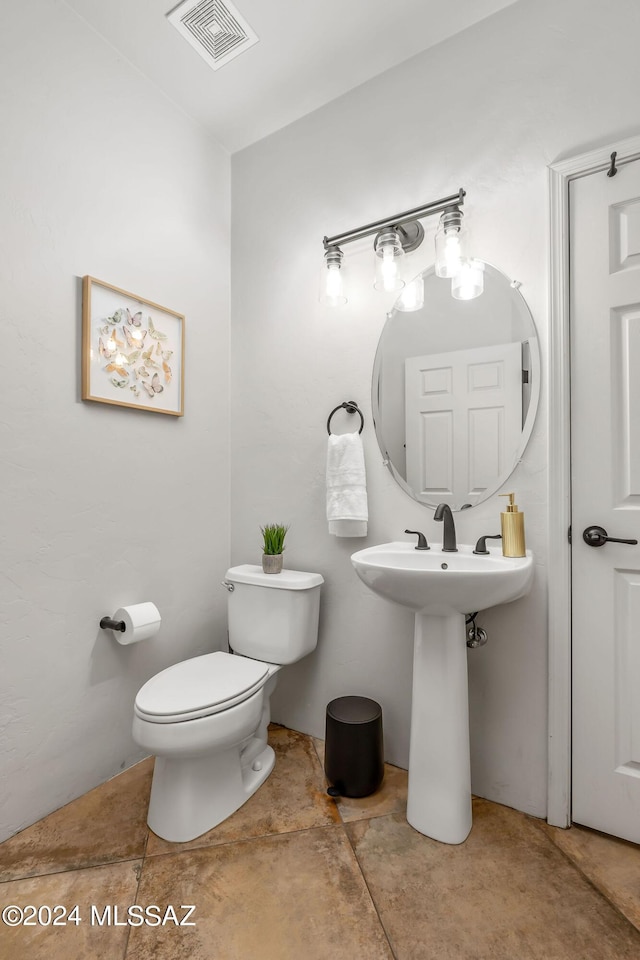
(487, 110)
(102, 506)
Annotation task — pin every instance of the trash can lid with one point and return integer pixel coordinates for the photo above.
(354, 709)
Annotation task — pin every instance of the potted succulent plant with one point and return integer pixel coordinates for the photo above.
(273, 545)
(273, 535)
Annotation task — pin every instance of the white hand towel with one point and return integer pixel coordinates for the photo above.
(347, 511)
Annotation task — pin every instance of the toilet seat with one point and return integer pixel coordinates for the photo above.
(199, 687)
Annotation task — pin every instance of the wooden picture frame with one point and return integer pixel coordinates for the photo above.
(132, 350)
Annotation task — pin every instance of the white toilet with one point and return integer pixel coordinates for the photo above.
(206, 719)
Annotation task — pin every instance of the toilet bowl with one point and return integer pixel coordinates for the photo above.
(206, 719)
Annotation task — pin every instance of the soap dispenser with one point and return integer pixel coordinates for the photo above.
(512, 526)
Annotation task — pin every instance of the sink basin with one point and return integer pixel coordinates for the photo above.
(440, 588)
(438, 583)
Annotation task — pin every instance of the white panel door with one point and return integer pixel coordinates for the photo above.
(463, 418)
(605, 451)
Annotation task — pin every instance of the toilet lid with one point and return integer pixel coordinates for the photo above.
(199, 687)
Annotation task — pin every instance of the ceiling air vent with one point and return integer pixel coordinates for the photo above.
(215, 29)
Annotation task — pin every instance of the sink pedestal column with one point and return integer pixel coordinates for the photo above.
(439, 797)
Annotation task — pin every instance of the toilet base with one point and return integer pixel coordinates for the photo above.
(191, 795)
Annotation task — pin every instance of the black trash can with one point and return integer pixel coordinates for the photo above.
(353, 747)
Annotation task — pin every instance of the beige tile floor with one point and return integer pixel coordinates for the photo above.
(294, 875)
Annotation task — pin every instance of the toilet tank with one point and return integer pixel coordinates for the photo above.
(273, 616)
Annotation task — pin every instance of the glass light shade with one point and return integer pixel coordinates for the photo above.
(388, 250)
(450, 237)
(332, 279)
(468, 283)
(412, 297)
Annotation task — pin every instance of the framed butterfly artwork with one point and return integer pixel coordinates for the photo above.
(132, 350)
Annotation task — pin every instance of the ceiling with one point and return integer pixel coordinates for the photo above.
(309, 52)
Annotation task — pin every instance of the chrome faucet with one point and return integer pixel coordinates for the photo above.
(443, 512)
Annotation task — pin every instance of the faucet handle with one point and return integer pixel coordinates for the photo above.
(481, 545)
(422, 540)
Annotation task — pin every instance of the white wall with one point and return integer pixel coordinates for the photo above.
(487, 110)
(102, 506)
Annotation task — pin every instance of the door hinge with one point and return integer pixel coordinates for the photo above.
(569, 534)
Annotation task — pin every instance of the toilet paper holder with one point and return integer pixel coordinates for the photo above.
(108, 623)
(133, 623)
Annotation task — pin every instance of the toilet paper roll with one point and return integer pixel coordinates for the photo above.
(141, 620)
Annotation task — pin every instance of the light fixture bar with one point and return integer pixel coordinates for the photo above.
(437, 206)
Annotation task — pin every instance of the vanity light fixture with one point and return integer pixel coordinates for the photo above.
(388, 250)
(332, 278)
(395, 236)
(450, 237)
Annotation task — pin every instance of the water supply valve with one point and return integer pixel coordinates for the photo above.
(476, 636)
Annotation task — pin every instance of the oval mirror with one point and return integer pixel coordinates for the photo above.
(455, 390)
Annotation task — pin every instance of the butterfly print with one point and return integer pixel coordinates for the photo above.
(155, 334)
(110, 367)
(134, 353)
(154, 387)
(104, 352)
(135, 338)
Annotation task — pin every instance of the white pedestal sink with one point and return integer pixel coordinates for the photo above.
(441, 588)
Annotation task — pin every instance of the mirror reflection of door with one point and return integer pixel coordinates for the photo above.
(462, 445)
(474, 396)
